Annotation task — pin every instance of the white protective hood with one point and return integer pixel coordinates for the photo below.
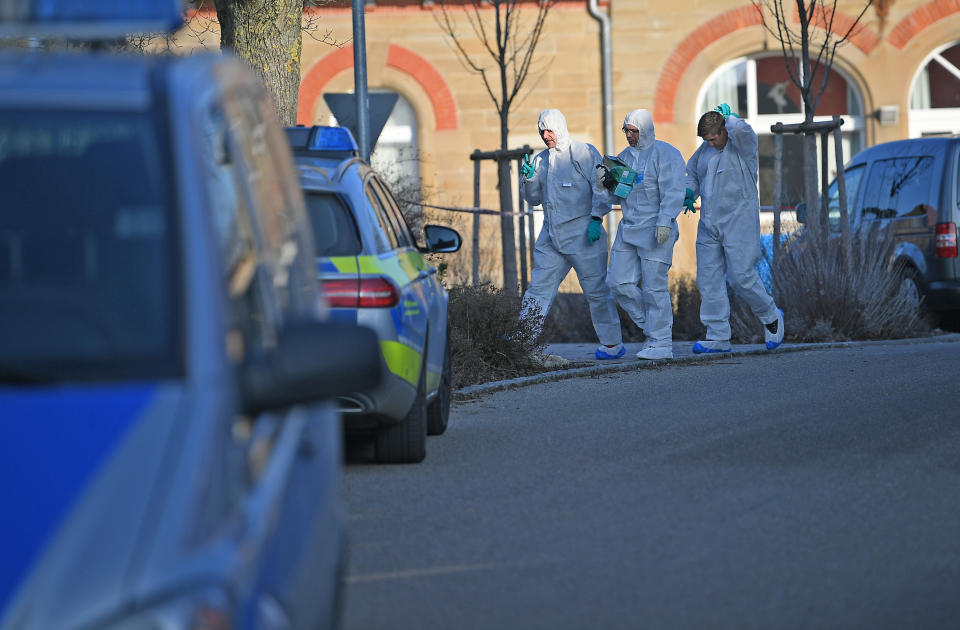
(641, 119)
(554, 120)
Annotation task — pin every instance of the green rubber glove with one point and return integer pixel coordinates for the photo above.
(595, 231)
(527, 167)
(724, 110)
(688, 202)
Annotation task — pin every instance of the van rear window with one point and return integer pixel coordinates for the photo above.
(899, 187)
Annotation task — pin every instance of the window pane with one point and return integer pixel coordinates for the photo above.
(334, 232)
(943, 84)
(404, 237)
(792, 186)
(87, 265)
(851, 182)
(729, 86)
(899, 187)
(383, 231)
(776, 93)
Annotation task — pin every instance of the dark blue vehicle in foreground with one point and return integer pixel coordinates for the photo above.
(167, 455)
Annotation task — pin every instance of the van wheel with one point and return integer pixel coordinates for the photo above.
(909, 288)
(406, 442)
(438, 412)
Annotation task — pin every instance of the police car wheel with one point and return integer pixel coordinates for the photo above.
(438, 412)
(406, 442)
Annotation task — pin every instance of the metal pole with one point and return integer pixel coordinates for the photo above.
(606, 84)
(360, 79)
(842, 190)
(476, 220)
(777, 196)
(824, 179)
(523, 234)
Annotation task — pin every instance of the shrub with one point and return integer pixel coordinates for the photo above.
(488, 341)
(569, 321)
(828, 294)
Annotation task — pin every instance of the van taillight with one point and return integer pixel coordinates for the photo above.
(376, 292)
(946, 240)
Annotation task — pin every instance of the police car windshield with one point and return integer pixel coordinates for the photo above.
(87, 244)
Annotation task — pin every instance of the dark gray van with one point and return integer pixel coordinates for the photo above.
(912, 186)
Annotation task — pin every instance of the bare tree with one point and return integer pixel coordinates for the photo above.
(809, 35)
(508, 43)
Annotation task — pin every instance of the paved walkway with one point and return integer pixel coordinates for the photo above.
(583, 352)
(580, 360)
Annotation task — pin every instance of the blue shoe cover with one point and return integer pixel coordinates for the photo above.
(602, 353)
(699, 348)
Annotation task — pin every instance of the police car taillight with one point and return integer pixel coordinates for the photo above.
(946, 240)
(378, 293)
(375, 292)
(341, 293)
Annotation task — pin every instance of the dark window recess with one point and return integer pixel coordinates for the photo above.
(334, 230)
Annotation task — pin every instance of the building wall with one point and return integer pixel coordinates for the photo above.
(662, 54)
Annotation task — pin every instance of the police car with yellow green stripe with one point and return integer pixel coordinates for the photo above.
(374, 274)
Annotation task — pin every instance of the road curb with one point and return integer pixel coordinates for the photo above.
(474, 391)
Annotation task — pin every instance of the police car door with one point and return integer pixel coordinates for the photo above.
(412, 312)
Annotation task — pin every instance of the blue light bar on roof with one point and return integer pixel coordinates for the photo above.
(89, 19)
(332, 139)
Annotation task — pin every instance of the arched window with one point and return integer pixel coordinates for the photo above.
(935, 96)
(396, 157)
(759, 89)
(397, 147)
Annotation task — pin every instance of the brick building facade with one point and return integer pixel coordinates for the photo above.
(675, 59)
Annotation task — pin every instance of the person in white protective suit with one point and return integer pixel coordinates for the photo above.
(561, 179)
(643, 248)
(723, 172)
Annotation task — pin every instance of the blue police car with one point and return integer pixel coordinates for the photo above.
(375, 274)
(167, 457)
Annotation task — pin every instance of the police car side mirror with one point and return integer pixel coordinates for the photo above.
(441, 239)
(312, 361)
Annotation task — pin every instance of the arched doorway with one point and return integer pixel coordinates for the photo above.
(759, 89)
(935, 95)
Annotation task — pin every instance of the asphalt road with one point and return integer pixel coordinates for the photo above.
(814, 489)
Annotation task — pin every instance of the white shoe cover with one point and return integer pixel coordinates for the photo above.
(773, 340)
(652, 353)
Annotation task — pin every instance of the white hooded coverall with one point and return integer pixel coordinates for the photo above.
(636, 256)
(728, 236)
(563, 183)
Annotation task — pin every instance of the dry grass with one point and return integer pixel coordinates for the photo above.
(488, 340)
(827, 295)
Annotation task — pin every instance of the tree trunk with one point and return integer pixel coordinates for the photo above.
(811, 195)
(267, 35)
(507, 240)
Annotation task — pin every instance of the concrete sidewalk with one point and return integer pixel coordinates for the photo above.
(583, 352)
(581, 362)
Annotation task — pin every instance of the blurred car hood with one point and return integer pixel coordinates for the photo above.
(78, 469)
